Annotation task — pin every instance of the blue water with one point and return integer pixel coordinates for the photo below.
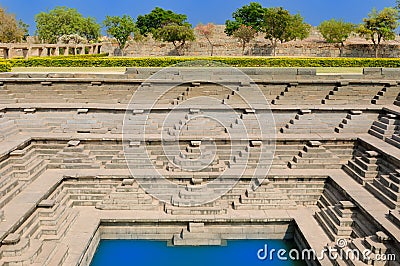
(147, 252)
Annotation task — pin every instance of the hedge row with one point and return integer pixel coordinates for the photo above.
(5, 67)
(98, 61)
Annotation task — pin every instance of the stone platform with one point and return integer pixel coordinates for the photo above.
(80, 162)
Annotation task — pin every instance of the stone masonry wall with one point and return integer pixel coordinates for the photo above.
(313, 46)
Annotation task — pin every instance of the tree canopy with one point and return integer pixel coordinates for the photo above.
(65, 21)
(120, 28)
(157, 19)
(280, 26)
(244, 34)
(166, 26)
(11, 30)
(379, 26)
(248, 15)
(178, 35)
(336, 31)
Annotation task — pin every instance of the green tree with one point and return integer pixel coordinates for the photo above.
(177, 34)
(65, 21)
(280, 26)
(11, 30)
(207, 31)
(244, 34)
(248, 15)
(157, 19)
(120, 28)
(336, 32)
(379, 26)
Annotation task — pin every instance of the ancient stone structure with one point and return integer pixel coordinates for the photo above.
(65, 183)
(313, 46)
(26, 50)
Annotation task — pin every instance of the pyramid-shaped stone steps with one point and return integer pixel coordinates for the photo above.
(386, 95)
(349, 94)
(127, 196)
(387, 189)
(363, 168)
(337, 220)
(385, 127)
(313, 156)
(7, 127)
(306, 122)
(355, 122)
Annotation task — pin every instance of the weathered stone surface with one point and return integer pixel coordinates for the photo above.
(64, 175)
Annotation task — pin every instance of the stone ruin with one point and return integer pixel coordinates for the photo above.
(67, 180)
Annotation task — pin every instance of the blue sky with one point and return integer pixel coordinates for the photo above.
(216, 11)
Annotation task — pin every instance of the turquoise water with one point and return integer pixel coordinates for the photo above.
(146, 252)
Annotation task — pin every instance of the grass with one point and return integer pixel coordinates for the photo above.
(70, 69)
(339, 70)
(320, 70)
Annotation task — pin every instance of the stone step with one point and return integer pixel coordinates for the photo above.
(282, 206)
(357, 177)
(394, 216)
(381, 192)
(394, 140)
(200, 210)
(25, 257)
(58, 257)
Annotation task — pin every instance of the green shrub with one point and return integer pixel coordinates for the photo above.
(5, 67)
(101, 61)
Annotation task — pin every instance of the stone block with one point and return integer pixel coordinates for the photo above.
(195, 84)
(73, 143)
(281, 71)
(134, 144)
(391, 72)
(138, 111)
(313, 143)
(47, 203)
(307, 71)
(249, 111)
(95, 83)
(256, 143)
(128, 182)
(303, 112)
(196, 227)
(382, 236)
(372, 71)
(46, 83)
(195, 143)
(344, 204)
(146, 84)
(131, 70)
(82, 111)
(11, 239)
(371, 154)
(194, 111)
(18, 153)
(355, 112)
(29, 110)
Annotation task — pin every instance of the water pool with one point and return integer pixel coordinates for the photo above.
(148, 252)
